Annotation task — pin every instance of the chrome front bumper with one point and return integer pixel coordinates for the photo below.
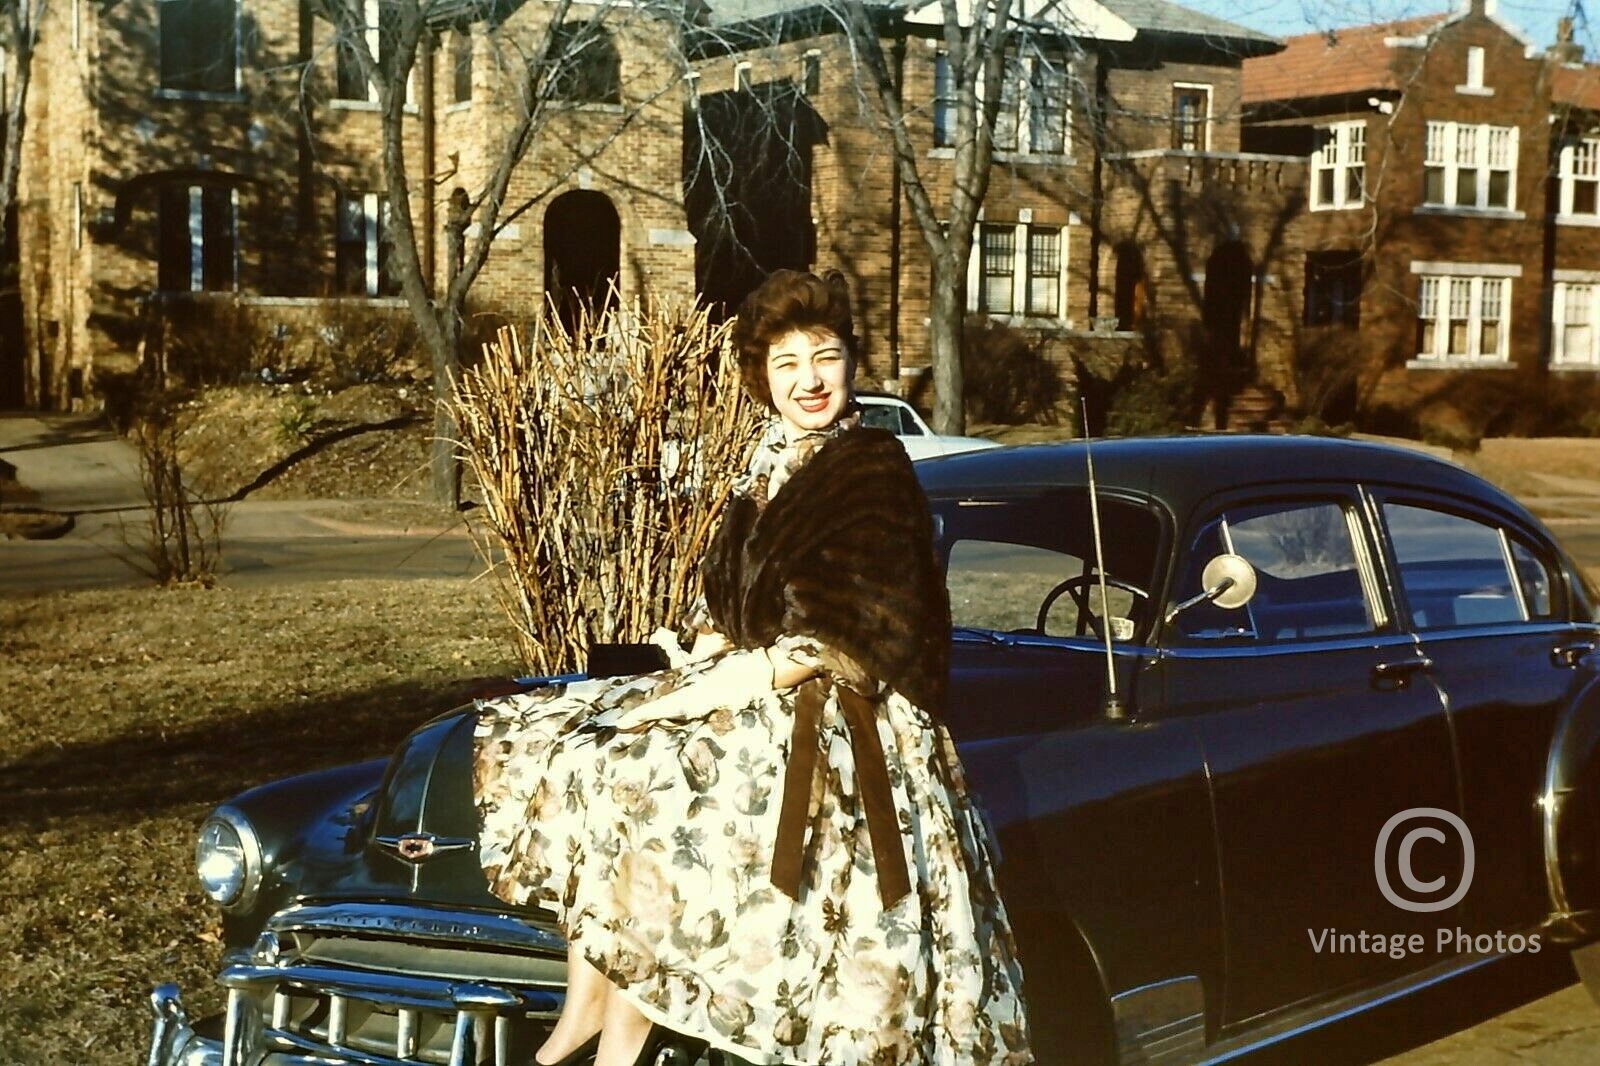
(479, 1036)
(428, 991)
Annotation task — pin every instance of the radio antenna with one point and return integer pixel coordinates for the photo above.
(1112, 706)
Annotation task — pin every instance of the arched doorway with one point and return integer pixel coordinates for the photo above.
(1228, 359)
(582, 253)
(1132, 293)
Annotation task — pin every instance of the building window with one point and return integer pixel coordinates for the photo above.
(378, 30)
(1044, 271)
(590, 68)
(1462, 317)
(997, 269)
(1579, 169)
(1339, 167)
(362, 259)
(1019, 270)
(1474, 68)
(741, 76)
(199, 45)
(1576, 341)
(1034, 99)
(1333, 288)
(198, 239)
(945, 98)
(461, 65)
(1191, 117)
(811, 73)
(1470, 165)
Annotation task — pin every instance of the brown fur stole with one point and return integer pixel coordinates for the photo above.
(843, 553)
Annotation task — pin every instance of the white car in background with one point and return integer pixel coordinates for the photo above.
(901, 419)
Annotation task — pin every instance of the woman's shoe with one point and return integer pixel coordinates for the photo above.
(658, 1040)
(583, 1053)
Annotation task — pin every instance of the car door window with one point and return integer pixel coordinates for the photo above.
(1313, 577)
(1011, 562)
(1460, 571)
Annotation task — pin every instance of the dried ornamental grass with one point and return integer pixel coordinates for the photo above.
(605, 454)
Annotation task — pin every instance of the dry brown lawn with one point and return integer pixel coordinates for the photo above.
(128, 715)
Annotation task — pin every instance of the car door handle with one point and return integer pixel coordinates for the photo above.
(1570, 654)
(1398, 671)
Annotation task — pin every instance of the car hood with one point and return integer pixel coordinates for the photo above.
(414, 839)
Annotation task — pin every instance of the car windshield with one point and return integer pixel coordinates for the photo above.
(1026, 564)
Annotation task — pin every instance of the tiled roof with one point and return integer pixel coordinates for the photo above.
(1331, 63)
(1160, 16)
(1577, 86)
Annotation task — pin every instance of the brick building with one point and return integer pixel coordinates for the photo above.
(1122, 227)
(1436, 243)
(186, 155)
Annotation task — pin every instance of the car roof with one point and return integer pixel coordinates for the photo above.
(1184, 471)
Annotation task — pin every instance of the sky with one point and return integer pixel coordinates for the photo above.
(1535, 18)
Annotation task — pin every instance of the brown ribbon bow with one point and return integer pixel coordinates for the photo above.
(872, 784)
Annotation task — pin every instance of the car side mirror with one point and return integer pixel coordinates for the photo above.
(1229, 582)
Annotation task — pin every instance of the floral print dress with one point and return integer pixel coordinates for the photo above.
(642, 812)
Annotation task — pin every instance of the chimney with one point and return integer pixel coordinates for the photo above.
(1566, 49)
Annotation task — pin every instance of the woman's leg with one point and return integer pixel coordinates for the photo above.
(624, 1035)
(588, 991)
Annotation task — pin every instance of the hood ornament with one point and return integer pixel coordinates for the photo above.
(418, 848)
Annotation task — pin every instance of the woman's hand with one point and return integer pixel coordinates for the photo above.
(708, 643)
(787, 671)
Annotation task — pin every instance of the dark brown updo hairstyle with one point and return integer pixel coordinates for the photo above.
(789, 300)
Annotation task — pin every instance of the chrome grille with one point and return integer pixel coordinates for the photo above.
(394, 986)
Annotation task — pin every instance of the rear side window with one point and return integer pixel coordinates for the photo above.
(891, 417)
(1311, 574)
(1460, 571)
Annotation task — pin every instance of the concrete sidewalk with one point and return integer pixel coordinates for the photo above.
(75, 464)
(70, 463)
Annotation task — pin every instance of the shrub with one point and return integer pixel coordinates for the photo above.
(183, 539)
(358, 343)
(1007, 378)
(604, 457)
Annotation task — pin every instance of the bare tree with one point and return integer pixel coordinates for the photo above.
(541, 73)
(21, 29)
(977, 39)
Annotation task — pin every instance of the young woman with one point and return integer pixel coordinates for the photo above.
(769, 847)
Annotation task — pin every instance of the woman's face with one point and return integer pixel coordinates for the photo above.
(809, 375)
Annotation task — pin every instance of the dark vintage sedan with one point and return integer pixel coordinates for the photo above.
(1269, 730)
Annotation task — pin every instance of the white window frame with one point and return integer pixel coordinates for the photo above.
(1023, 69)
(1443, 298)
(1021, 273)
(810, 63)
(371, 244)
(1474, 85)
(1571, 298)
(371, 19)
(1445, 144)
(1344, 150)
(741, 76)
(1209, 119)
(1579, 161)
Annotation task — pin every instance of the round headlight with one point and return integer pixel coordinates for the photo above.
(228, 859)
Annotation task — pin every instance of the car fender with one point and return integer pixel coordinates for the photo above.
(1570, 812)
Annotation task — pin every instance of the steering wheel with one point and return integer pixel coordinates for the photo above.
(1078, 589)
